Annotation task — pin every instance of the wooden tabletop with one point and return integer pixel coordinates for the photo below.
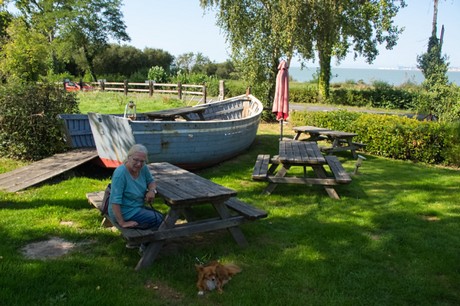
(338, 134)
(181, 187)
(173, 112)
(300, 152)
(309, 129)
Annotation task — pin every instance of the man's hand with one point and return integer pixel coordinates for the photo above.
(129, 224)
(149, 196)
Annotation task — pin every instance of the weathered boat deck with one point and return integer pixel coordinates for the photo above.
(44, 169)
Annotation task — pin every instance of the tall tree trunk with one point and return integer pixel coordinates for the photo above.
(324, 74)
(435, 19)
(89, 61)
(272, 82)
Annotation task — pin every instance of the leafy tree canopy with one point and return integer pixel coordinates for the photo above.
(75, 30)
(263, 31)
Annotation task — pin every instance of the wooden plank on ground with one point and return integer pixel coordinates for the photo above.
(44, 169)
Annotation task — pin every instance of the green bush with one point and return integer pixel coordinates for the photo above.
(29, 127)
(381, 95)
(451, 152)
(234, 88)
(306, 93)
(157, 74)
(392, 136)
(212, 83)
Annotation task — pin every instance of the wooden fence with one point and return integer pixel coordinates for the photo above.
(150, 87)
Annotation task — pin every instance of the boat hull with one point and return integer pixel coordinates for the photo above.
(229, 127)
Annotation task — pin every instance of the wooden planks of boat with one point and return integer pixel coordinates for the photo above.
(190, 137)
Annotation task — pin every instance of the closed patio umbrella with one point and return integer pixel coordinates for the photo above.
(281, 101)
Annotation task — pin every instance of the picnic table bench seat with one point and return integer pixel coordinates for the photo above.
(356, 144)
(264, 166)
(245, 212)
(260, 171)
(248, 211)
(341, 176)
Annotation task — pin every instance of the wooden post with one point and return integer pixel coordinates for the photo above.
(204, 93)
(126, 87)
(179, 90)
(150, 88)
(248, 91)
(80, 83)
(221, 89)
(102, 85)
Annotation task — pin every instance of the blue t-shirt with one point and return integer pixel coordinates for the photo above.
(129, 192)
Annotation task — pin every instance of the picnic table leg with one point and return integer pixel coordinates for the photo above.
(235, 231)
(335, 144)
(281, 173)
(321, 173)
(352, 147)
(154, 247)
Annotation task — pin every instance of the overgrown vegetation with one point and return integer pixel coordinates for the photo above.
(29, 127)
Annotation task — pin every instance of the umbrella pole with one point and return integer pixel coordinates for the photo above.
(281, 130)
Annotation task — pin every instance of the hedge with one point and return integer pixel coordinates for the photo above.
(392, 136)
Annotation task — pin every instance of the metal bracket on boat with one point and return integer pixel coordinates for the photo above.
(130, 111)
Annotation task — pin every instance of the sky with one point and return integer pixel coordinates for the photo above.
(182, 26)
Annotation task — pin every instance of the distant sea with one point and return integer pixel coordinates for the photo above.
(391, 76)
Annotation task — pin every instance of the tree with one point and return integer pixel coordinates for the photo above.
(439, 97)
(90, 26)
(433, 64)
(357, 25)
(195, 63)
(5, 19)
(184, 62)
(260, 32)
(125, 61)
(225, 70)
(74, 29)
(25, 53)
(158, 57)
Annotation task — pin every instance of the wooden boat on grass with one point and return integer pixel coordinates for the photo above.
(190, 137)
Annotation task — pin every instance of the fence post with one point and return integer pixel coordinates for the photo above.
(126, 87)
(204, 93)
(81, 84)
(179, 90)
(221, 89)
(102, 84)
(150, 88)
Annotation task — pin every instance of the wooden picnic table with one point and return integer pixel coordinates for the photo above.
(182, 191)
(301, 153)
(341, 141)
(172, 114)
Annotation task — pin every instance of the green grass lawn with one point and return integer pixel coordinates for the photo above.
(392, 239)
(115, 102)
